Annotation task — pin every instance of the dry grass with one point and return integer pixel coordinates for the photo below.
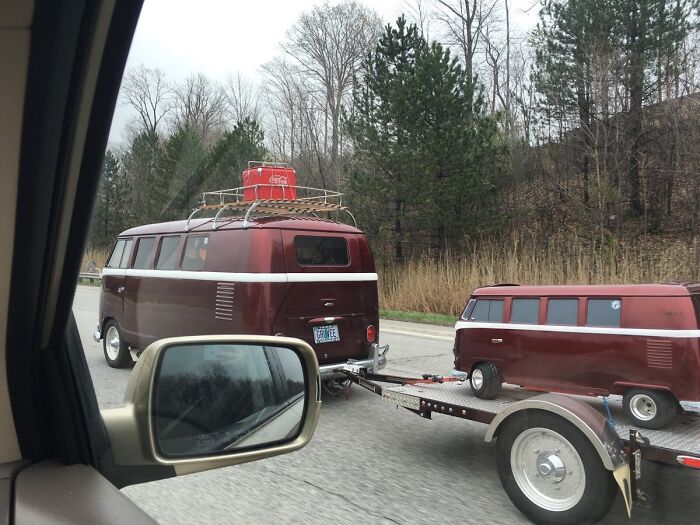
(99, 257)
(442, 285)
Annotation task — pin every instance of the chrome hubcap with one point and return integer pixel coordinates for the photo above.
(477, 379)
(547, 469)
(112, 343)
(643, 407)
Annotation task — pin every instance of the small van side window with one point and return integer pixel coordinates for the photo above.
(487, 311)
(144, 247)
(469, 309)
(116, 254)
(321, 251)
(195, 252)
(167, 255)
(562, 311)
(126, 256)
(525, 311)
(603, 312)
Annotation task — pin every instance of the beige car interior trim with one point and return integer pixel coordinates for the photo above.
(51, 492)
(15, 33)
(130, 426)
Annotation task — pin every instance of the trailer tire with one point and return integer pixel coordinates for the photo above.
(536, 453)
(651, 409)
(485, 381)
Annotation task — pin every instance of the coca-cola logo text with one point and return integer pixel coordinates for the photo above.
(282, 180)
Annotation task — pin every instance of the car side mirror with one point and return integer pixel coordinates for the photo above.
(204, 402)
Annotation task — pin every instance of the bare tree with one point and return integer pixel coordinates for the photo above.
(200, 105)
(464, 21)
(243, 98)
(328, 45)
(149, 94)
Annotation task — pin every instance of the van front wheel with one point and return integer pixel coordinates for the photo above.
(116, 350)
(651, 409)
(485, 381)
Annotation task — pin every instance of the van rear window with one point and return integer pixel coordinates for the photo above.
(321, 251)
(603, 312)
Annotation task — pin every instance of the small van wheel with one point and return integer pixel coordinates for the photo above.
(652, 409)
(551, 471)
(485, 381)
(116, 350)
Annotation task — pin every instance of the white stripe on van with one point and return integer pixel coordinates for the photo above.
(642, 332)
(243, 277)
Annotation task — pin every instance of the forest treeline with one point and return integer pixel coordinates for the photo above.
(447, 129)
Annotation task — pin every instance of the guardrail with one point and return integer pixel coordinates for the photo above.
(89, 276)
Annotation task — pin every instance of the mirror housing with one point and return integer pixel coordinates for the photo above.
(135, 455)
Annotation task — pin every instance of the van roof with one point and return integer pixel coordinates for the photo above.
(204, 225)
(615, 290)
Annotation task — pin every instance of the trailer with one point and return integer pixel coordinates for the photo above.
(560, 458)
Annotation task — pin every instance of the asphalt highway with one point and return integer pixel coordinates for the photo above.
(368, 462)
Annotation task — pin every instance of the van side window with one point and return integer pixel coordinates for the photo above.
(167, 255)
(144, 247)
(321, 251)
(525, 311)
(562, 311)
(195, 252)
(117, 253)
(603, 312)
(487, 311)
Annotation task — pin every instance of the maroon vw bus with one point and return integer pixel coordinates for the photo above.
(639, 341)
(294, 276)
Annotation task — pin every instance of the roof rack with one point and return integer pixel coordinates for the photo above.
(309, 201)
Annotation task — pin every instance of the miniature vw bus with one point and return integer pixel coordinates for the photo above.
(267, 266)
(639, 341)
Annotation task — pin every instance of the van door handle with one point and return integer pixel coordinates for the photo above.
(120, 289)
(497, 341)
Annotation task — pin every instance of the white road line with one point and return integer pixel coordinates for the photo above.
(416, 334)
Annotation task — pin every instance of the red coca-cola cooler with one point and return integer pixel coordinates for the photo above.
(269, 181)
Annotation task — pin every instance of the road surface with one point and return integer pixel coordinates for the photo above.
(368, 462)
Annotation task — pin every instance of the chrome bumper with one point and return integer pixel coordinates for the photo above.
(97, 335)
(375, 362)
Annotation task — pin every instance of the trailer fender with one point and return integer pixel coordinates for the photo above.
(589, 421)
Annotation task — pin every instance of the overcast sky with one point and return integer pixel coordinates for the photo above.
(220, 37)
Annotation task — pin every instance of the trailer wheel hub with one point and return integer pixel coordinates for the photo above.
(551, 467)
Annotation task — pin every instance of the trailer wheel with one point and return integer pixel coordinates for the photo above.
(485, 381)
(115, 349)
(650, 408)
(551, 471)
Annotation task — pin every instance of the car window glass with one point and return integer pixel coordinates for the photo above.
(321, 251)
(488, 311)
(562, 311)
(195, 253)
(127, 254)
(469, 309)
(116, 254)
(144, 247)
(603, 312)
(525, 311)
(167, 255)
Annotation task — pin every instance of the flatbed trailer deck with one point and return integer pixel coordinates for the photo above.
(619, 445)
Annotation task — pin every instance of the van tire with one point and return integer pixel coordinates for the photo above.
(517, 456)
(115, 349)
(485, 381)
(652, 409)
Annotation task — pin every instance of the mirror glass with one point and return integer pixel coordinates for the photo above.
(219, 398)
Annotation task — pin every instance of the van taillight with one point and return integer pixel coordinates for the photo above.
(371, 333)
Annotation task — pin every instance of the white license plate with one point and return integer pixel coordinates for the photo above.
(326, 334)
